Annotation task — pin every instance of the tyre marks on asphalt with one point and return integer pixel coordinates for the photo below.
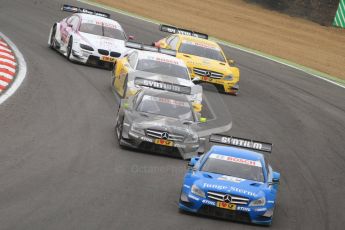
(8, 65)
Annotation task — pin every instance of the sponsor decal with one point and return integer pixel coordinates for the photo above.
(270, 201)
(106, 24)
(243, 191)
(241, 142)
(246, 209)
(193, 197)
(203, 45)
(174, 30)
(164, 60)
(167, 101)
(179, 146)
(162, 85)
(225, 205)
(143, 138)
(186, 186)
(215, 186)
(209, 202)
(260, 209)
(228, 188)
(236, 160)
(231, 179)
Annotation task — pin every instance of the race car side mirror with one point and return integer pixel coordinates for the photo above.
(275, 179)
(231, 62)
(130, 37)
(192, 162)
(125, 105)
(196, 79)
(202, 119)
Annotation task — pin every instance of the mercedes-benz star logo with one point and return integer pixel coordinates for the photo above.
(165, 136)
(227, 198)
(208, 73)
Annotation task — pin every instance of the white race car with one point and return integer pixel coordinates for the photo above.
(88, 37)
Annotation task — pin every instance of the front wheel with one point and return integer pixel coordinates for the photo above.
(118, 130)
(52, 38)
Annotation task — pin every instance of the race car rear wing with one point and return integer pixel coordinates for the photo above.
(156, 84)
(241, 142)
(139, 46)
(175, 30)
(74, 9)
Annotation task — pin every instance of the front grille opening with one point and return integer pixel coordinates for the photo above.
(103, 52)
(115, 54)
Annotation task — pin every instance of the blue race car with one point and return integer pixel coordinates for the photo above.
(231, 183)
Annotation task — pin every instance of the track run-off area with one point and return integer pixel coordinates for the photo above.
(61, 167)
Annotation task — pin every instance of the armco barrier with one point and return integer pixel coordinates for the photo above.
(339, 19)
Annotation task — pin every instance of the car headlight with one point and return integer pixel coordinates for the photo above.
(192, 138)
(228, 77)
(259, 202)
(137, 129)
(197, 191)
(86, 47)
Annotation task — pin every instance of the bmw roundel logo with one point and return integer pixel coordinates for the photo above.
(165, 135)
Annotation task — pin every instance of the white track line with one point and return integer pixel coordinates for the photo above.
(21, 72)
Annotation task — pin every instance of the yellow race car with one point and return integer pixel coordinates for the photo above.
(205, 59)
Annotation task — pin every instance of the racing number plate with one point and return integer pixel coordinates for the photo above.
(164, 142)
(205, 78)
(107, 58)
(221, 204)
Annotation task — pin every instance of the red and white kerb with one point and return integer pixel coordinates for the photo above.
(8, 65)
(236, 160)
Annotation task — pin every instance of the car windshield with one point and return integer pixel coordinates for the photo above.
(202, 51)
(234, 167)
(165, 67)
(102, 30)
(166, 107)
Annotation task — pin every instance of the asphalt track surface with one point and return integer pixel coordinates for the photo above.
(61, 168)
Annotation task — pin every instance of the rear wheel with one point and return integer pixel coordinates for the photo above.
(125, 87)
(118, 130)
(69, 48)
(112, 81)
(52, 38)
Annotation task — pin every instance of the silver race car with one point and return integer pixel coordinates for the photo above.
(159, 121)
(88, 37)
(147, 66)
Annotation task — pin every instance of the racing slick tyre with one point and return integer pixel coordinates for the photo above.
(125, 88)
(118, 131)
(69, 49)
(112, 78)
(52, 38)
